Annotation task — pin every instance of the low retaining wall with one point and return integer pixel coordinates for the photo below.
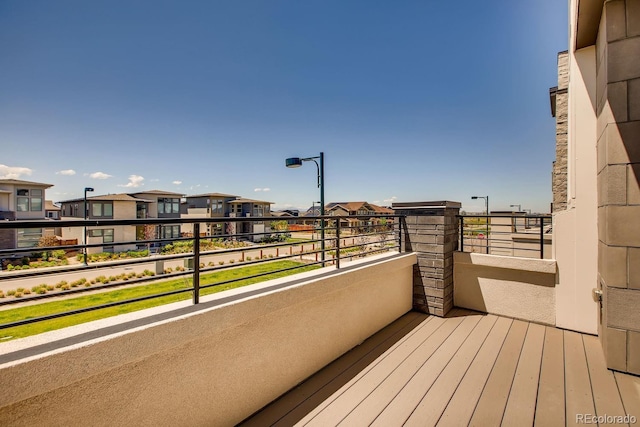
(522, 288)
(213, 365)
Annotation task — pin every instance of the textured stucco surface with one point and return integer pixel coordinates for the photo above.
(210, 367)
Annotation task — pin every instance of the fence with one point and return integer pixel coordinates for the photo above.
(526, 236)
(191, 258)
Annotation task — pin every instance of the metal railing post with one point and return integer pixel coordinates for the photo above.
(400, 234)
(461, 233)
(541, 238)
(338, 243)
(196, 263)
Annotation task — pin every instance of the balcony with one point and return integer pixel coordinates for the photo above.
(324, 347)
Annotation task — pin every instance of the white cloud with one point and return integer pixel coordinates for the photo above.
(100, 175)
(393, 198)
(134, 182)
(177, 182)
(68, 172)
(13, 172)
(261, 189)
(154, 180)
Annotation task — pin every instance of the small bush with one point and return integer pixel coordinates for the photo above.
(65, 287)
(1, 294)
(248, 258)
(26, 292)
(20, 290)
(232, 261)
(18, 295)
(221, 262)
(11, 292)
(50, 288)
(41, 291)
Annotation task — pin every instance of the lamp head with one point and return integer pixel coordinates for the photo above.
(293, 162)
(88, 189)
(474, 197)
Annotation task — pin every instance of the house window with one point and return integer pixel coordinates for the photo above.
(170, 232)
(168, 206)
(102, 209)
(258, 210)
(106, 234)
(216, 206)
(29, 200)
(29, 237)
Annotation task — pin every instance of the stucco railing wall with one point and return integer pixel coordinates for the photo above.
(522, 288)
(210, 366)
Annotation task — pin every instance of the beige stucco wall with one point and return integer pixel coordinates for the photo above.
(522, 288)
(575, 233)
(212, 367)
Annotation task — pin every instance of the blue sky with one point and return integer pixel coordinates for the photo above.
(409, 100)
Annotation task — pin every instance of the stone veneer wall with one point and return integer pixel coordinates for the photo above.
(559, 175)
(431, 230)
(618, 112)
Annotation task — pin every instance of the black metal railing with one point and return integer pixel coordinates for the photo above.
(510, 235)
(359, 237)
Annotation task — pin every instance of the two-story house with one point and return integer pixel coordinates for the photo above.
(21, 200)
(345, 210)
(141, 205)
(218, 205)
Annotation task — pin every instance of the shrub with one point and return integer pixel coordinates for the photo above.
(248, 258)
(1, 294)
(11, 292)
(20, 290)
(18, 295)
(221, 262)
(41, 291)
(50, 288)
(65, 287)
(232, 261)
(10, 267)
(149, 273)
(58, 254)
(26, 292)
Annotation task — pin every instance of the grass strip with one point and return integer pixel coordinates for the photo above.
(61, 306)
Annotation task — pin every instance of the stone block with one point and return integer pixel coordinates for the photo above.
(633, 18)
(634, 99)
(615, 12)
(617, 98)
(622, 60)
(615, 349)
(634, 268)
(602, 151)
(633, 352)
(622, 308)
(603, 199)
(623, 226)
(616, 181)
(602, 224)
(612, 265)
(623, 143)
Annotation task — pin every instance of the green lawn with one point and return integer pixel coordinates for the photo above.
(53, 307)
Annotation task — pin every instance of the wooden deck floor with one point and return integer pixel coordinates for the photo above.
(466, 369)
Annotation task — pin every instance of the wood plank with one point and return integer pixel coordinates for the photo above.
(460, 408)
(629, 388)
(433, 404)
(578, 395)
(333, 410)
(411, 394)
(603, 384)
(521, 406)
(381, 393)
(550, 406)
(490, 407)
(324, 382)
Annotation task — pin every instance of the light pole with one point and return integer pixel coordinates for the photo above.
(296, 162)
(86, 213)
(518, 206)
(486, 204)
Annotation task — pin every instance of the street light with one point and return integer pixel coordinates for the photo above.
(516, 206)
(86, 213)
(296, 162)
(486, 203)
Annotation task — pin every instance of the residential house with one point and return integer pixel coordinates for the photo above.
(21, 200)
(140, 205)
(596, 178)
(344, 210)
(218, 205)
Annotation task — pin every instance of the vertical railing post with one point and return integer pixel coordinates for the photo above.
(461, 219)
(338, 243)
(400, 218)
(541, 238)
(196, 263)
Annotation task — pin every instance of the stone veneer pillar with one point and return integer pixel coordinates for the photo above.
(430, 229)
(618, 110)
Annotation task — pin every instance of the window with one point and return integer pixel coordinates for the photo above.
(29, 200)
(168, 206)
(102, 209)
(258, 210)
(29, 237)
(170, 232)
(106, 234)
